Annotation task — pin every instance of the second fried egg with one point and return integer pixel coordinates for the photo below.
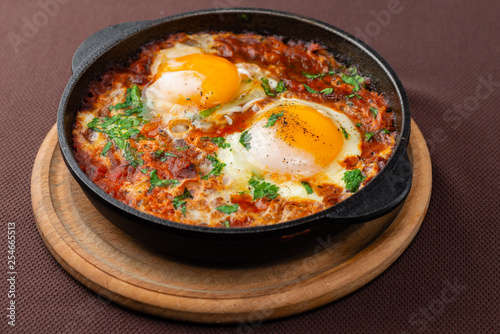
(288, 141)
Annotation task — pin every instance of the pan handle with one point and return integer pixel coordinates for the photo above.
(380, 196)
(103, 39)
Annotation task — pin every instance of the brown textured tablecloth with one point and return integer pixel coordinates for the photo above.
(447, 56)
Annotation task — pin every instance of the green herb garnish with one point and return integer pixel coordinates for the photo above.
(263, 189)
(358, 124)
(131, 155)
(182, 148)
(374, 112)
(180, 201)
(327, 91)
(309, 89)
(353, 95)
(220, 142)
(352, 78)
(313, 76)
(266, 87)
(163, 155)
(280, 87)
(344, 132)
(320, 75)
(245, 139)
(226, 224)
(106, 148)
(353, 179)
(121, 127)
(228, 209)
(208, 112)
(308, 187)
(273, 118)
(132, 100)
(385, 131)
(369, 135)
(157, 182)
(217, 166)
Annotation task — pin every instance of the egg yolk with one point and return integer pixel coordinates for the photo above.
(305, 128)
(220, 80)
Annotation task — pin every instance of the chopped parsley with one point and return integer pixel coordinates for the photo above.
(166, 154)
(228, 209)
(180, 201)
(369, 135)
(132, 156)
(353, 95)
(319, 75)
(353, 179)
(245, 139)
(220, 142)
(226, 224)
(208, 112)
(263, 189)
(265, 86)
(144, 170)
(327, 91)
(182, 148)
(374, 112)
(280, 87)
(106, 148)
(121, 127)
(273, 118)
(344, 132)
(132, 101)
(309, 89)
(385, 131)
(307, 186)
(352, 78)
(163, 155)
(313, 76)
(217, 166)
(358, 124)
(157, 182)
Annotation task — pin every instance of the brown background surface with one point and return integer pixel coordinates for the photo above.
(447, 55)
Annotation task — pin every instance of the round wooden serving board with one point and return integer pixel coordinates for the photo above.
(114, 265)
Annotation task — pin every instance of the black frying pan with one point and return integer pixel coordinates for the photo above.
(118, 43)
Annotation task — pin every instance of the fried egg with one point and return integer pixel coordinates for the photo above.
(187, 80)
(307, 141)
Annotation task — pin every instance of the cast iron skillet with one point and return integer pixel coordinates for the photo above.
(118, 43)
